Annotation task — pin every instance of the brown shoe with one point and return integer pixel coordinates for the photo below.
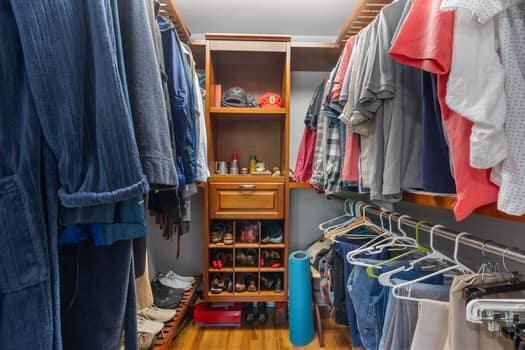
(228, 238)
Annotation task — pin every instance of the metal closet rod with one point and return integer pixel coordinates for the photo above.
(487, 246)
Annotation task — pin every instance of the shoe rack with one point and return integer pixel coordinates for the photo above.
(258, 64)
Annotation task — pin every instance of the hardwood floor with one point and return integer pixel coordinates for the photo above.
(268, 337)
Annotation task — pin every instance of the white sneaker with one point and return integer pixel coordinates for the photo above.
(172, 282)
(154, 313)
(172, 274)
(147, 326)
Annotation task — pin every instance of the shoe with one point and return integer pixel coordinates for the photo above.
(262, 313)
(251, 282)
(251, 257)
(272, 232)
(277, 238)
(228, 285)
(249, 313)
(145, 340)
(165, 297)
(266, 282)
(147, 326)
(240, 287)
(266, 238)
(228, 238)
(275, 259)
(219, 262)
(170, 280)
(217, 284)
(249, 233)
(175, 275)
(154, 313)
(240, 258)
(278, 285)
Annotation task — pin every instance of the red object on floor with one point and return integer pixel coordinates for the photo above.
(218, 314)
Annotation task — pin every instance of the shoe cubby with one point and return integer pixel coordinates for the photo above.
(221, 283)
(247, 283)
(251, 209)
(271, 259)
(221, 259)
(222, 232)
(272, 232)
(272, 282)
(247, 232)
(246, 257)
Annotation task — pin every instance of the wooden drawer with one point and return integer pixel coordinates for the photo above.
(247, 200)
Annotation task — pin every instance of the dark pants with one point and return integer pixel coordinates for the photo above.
(98, 296)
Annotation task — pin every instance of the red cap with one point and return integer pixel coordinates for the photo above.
(271, 100)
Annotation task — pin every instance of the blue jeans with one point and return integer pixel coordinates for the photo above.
(370, 299)
(342, 248)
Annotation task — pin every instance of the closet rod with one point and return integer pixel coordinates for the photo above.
(487, 246)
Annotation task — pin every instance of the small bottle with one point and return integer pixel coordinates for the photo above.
(252, 163)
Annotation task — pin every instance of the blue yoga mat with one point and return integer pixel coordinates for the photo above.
(300, 299)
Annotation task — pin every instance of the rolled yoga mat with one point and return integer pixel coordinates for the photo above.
(300, 299)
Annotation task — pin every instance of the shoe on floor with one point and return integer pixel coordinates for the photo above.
(146, 340)
(147, 326)
(154, 313)
(173, 274)
(172, 282)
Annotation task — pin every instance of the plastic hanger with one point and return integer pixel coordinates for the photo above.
(373, 247)
(386, 278)
(335, 222)
(370, 271)
(375, 230)
(397, 288)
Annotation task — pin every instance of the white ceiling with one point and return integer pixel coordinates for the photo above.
(300, 18)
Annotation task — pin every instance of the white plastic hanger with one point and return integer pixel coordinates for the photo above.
(386, 278)
(476, 307)
(349, 216)
(457, 266)
(392, 240)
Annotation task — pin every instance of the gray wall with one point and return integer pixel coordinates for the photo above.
(308, 209)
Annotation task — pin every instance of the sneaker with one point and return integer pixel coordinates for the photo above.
(154, 313)
(147, 326)
(172, 274)
(172, 282)
(165, 297)
(146, 340)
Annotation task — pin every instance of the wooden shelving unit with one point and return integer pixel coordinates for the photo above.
(258, 64)
(171, 328)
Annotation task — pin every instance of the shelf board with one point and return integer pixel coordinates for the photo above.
(299, 185)
(223, 270)
(272, 246)
(271, 269)
(271, 293)
(447, 202)
(247, 111)
(220, 246)
(246, 269)
(247, 245)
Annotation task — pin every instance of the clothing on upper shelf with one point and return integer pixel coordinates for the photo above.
(430, 100)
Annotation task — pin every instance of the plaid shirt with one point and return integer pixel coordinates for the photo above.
(317, 180)
(332, 153)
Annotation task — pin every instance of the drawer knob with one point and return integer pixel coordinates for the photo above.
(247, 187)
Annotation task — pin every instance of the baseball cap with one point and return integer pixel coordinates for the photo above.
(271, 100)
(235, 97)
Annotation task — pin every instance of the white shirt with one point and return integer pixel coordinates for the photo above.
(475, 87)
